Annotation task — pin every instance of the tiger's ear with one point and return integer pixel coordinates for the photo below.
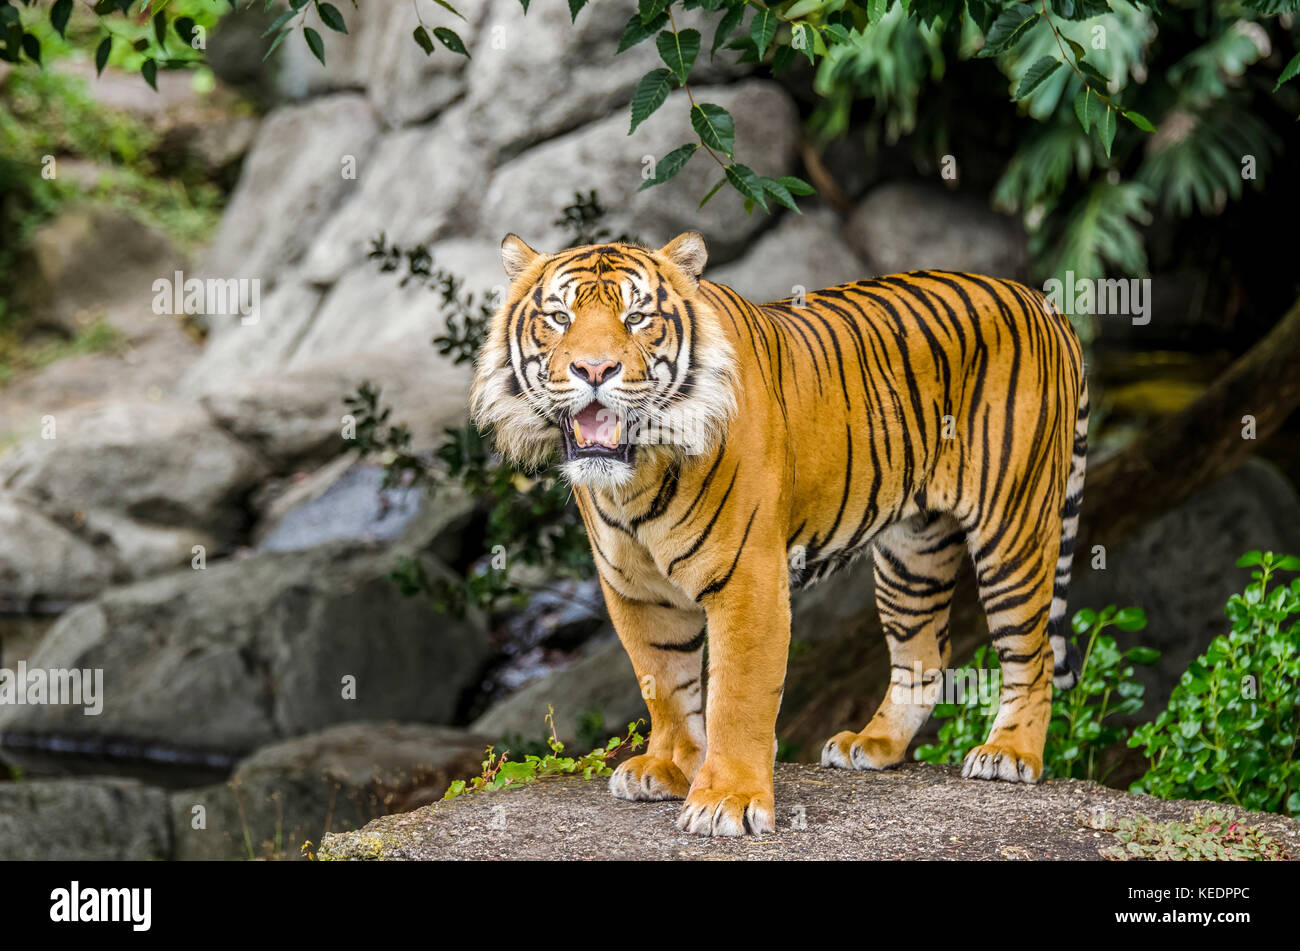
(688, 252)
(516, 255)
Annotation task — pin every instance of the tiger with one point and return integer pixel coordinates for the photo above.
(723, 453)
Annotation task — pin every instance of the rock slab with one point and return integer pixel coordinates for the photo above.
(915, 812)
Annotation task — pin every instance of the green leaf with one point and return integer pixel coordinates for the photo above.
(450, 39)
(650, 94)
(280, 21)
(450, 9)
(1146, 656)
(1130, 619)
(762, 28)
(637, 31)
(803, 39)
(780, 193)
(1139, 120)
(184, 27)
(424, 40)
(726, 26)
(1035, 74)
(679, 50)
(149, 70)
(1008, 29)
(160, 29)
(330, 16)
(1106, 129)
(670, 165)
(101, 54)
(712, 191)
(796, 186)
(315, 43)
(876, 10)
(575, 7)
(32, 47)
(714, 126)
(1290, 72)
(743, 179)
(60, 12)
(277, 41)
(1087, 107)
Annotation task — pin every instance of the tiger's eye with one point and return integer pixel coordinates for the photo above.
(634, 320)
(560, 317)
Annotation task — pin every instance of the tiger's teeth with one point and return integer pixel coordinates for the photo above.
(618, 431)
(577, 433)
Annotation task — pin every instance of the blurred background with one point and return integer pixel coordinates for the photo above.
(314, 594)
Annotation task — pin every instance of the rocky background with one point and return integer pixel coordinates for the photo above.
(182, 513)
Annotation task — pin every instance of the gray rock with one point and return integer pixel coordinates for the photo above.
(601, 682)
(536, 75)
(236, 350)
(128, 256)
(801, 251)
(353, 506)
(380, 55)
(158, 464)
(914, 812)
(291, 183)
(526, 194)
(1181, 568)
(80, 820)
(259, 649)
(418, 185)
(906, 226)
(338, 779)
(42, 560)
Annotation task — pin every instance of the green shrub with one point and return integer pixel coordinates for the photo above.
(1229, 732)
(1084, 720)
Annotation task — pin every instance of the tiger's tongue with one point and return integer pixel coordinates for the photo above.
(598, 424)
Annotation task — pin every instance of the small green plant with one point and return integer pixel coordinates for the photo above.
(1084, 719)
(1209, 836)
(1229, 733)
(500, 772)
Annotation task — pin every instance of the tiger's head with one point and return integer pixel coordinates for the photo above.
(607, 353)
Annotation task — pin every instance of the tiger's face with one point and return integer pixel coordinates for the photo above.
(606, 353)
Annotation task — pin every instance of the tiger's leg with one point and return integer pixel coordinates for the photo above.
(749, 643)
(666, 647)
(1015, 568)
(916, 565)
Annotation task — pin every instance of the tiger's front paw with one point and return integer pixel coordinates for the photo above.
(858, 751)
(648, 778)
(995, 761)
(723, 804)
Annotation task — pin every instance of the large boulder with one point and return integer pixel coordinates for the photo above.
(158, 464)
(527, 193)
(907, 226)
(294, 792)
(43, 561)
(917, 811)
(379, 55)
(79, 820)
(292, 181)
(803, 251)
(251, 651)
(418, 185)
(540, 72)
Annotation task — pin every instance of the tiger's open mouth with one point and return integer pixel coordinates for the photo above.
(597, 432)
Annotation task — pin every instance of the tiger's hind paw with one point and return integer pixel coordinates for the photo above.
(992, 761)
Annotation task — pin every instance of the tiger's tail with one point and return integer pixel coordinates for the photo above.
(1069, 665)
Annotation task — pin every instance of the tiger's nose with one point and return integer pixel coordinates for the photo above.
(593, 373)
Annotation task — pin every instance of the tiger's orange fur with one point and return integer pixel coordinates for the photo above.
(919, 416)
